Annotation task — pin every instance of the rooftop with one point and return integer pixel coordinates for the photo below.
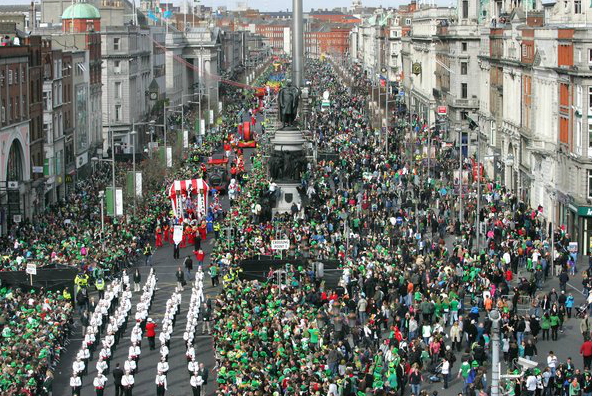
(81, 11)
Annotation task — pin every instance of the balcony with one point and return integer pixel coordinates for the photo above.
(469, 103)
(441, 30)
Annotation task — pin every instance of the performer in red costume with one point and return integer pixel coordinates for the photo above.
(166, 232)
(158, 237)
(203, 231)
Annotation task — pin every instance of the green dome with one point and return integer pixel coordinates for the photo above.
(81, 11)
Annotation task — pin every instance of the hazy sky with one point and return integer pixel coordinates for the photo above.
(276, 5)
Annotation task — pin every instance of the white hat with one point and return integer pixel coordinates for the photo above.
(149, 319)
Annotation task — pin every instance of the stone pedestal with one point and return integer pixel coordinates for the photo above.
(290, 140)
(288, 196)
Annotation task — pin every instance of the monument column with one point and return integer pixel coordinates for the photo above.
(297, 44)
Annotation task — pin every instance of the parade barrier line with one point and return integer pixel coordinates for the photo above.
(55, 278)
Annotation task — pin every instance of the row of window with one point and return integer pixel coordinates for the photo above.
(14, 109)
(13, 76)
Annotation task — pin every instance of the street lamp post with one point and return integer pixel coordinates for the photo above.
(113, 172)
(133, 136)
(460, 171)
(495, 317)
(478, 220)
(166, 152)
(210, 112)
(102, 196)
(386, 117)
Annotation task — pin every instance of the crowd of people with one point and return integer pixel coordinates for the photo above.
(34, 326)
(415, 290)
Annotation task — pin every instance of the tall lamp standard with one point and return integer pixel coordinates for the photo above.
(133, 134)
(495, 318)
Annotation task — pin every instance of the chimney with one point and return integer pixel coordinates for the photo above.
(32, 17)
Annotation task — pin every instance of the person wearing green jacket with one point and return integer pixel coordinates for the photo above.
(574, 387)
(554, 318)
(545, 326)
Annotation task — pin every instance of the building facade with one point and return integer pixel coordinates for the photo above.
(15, 155)
(127, 72)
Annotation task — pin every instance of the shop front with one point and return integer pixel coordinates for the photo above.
(585, 225)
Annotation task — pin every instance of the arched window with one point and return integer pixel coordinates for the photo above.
(14, 169)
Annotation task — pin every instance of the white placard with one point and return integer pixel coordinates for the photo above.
(177, 234)
(139, 184)
(211, 120)
(81, 160)
(572, 247)
(202, 127)
(169, 157)
(31, 269)
(118, 202)
(280, 244)
(185, 139)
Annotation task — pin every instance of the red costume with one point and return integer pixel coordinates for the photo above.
(199, 256)
(158, 237)
(203, 231)
(151, 329)
(190, 236)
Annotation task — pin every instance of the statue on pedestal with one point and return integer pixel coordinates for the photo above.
(286, 165)
(288, 100)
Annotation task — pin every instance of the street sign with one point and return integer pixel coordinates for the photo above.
(572, 247)
(280, 244)
(442, 110)
(31, 269)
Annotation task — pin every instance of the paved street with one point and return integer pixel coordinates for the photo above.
(178, 377)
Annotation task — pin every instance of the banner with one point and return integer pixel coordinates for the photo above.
(139, 184)
(118, 202)
(169, 151)
(130, 184)
(202, 130)
(168, 160)
(114, 206)
(178, 234)
(185, 139)
(211, 118)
